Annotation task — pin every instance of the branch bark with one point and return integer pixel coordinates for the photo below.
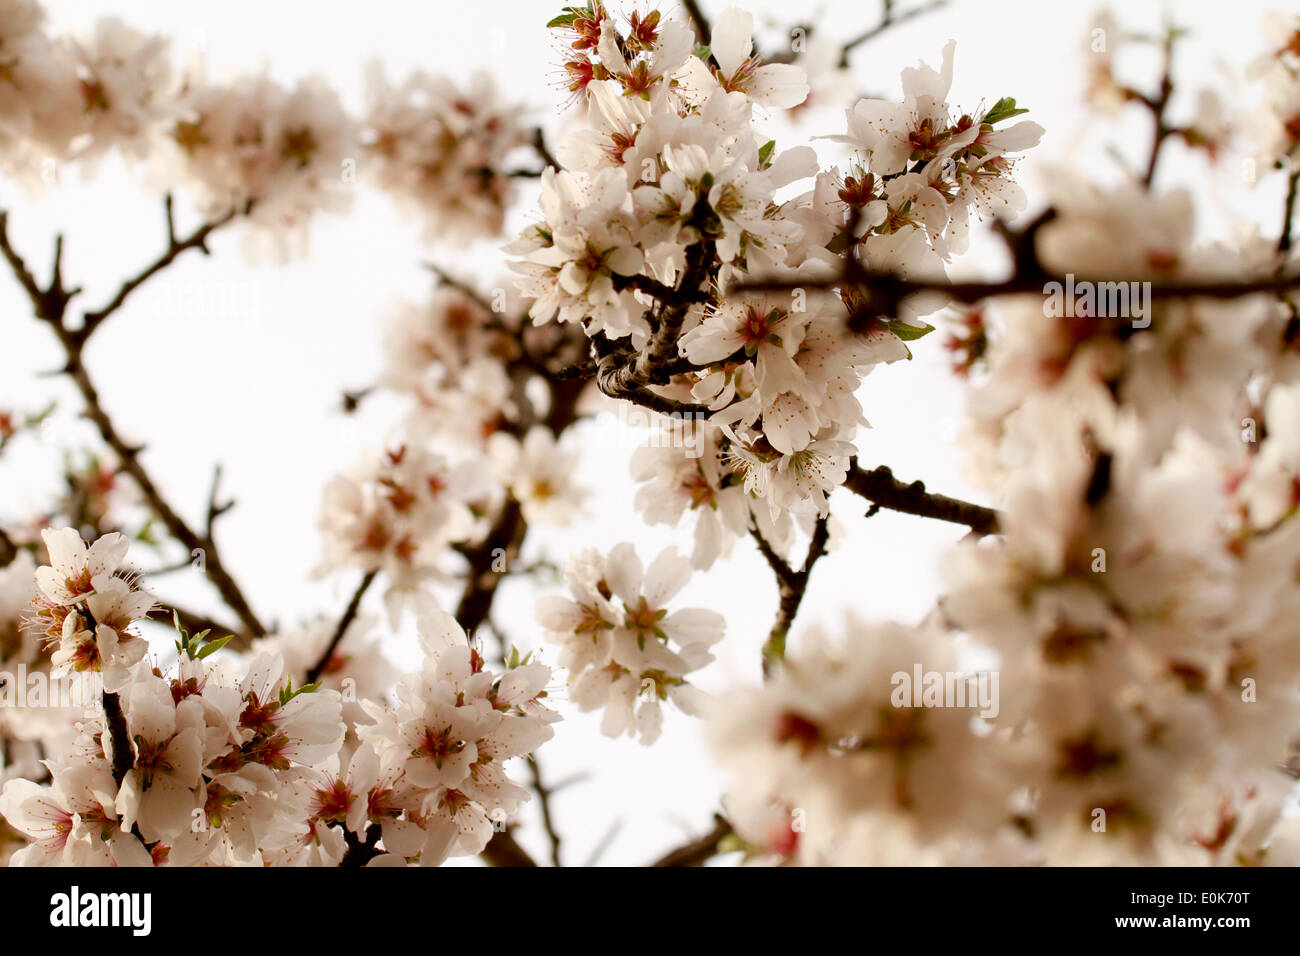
(349, 615)
(698, 851)
(51, 305)
(792, 584)
(881, 487)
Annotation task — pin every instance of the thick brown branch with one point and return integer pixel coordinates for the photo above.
(359, 851)
(620, 374)
(120, 734)
(504, 850)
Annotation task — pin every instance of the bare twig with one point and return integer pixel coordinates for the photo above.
(880, 487)
(1288, 213)
(604, 843)
(1158, 105)
(792, 585)
(888, 18)
(544, 794)
(215, 510)
(198, 239)
(349, 615)
(50, 305)
(700, 850)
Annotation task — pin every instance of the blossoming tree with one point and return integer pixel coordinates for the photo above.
(1135, 587)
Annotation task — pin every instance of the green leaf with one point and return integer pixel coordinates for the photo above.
(287, 692)
(213, 646)
(571, 14)
(1004, 108)
(840, 242)
(908, 332)
(765, 154)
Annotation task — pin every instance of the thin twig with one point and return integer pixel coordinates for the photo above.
(50, 305)
(544, 794)
(349, 615)
(1288, 214)
(880, 487)
(700, 850)
(888, 19)
(197, 239)
(792, 584)
(604, 843)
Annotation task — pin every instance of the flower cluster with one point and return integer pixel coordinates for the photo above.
(441, 151)
(87, 606)
(625, 651)
(397, 514)
(250, 146)
(1112, 672)
(669, 205)
(64, 98)
(446, 742)
(1275, 127)
(206, 764)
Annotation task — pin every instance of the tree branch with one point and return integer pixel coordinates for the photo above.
(792, 585)
(881, 487)
(120, 734)
(1288, 214)
(195, 240)
(349, 615)
(50, 305)
(698, 851)
(888, 19)
(544, 803)
(699, 22)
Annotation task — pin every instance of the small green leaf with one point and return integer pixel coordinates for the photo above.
(1004, 108)
(765, 154)
(908, 332)
(213, 646)
(840, 242)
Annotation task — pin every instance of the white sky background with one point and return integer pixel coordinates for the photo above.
(220, 360)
